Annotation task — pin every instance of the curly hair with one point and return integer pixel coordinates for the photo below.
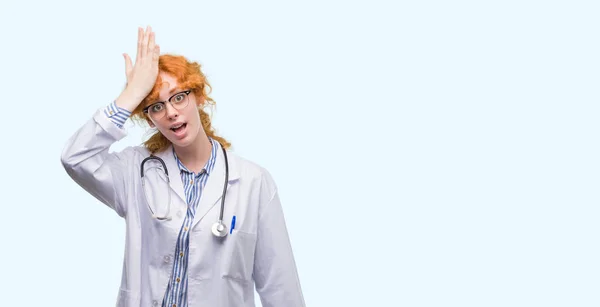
(189, 75)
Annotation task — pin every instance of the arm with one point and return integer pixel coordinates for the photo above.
(86, 159)
(275, 271)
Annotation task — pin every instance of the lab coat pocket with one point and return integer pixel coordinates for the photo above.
(238, 256)
(127, 298)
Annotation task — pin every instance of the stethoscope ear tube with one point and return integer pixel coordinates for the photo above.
(225, 184)
(162, 218)
(155, 158)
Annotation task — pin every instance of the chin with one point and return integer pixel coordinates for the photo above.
(181, 143)
(185, 142)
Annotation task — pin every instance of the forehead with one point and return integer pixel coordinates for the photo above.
(166, 87)
(167, 83)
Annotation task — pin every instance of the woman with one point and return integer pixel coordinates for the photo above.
(176, 255)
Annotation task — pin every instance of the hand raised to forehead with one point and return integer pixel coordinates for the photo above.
(142, 75)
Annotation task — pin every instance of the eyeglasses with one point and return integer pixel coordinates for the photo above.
(158, 110)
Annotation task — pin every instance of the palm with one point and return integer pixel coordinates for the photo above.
(142, 76)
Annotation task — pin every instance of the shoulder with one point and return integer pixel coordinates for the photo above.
(253, 173)
(248, 168)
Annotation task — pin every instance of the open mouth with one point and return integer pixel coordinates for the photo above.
(178, 128)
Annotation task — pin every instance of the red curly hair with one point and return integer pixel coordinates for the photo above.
(189, 75)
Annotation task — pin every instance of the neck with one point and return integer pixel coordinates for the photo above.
(195, 156)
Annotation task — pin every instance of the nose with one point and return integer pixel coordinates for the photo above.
(171, 111)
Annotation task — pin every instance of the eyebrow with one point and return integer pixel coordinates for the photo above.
(175, 89)
(171, 92)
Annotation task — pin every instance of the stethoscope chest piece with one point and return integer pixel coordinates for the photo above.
(219, 229)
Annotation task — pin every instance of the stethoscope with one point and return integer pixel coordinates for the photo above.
(218, 228)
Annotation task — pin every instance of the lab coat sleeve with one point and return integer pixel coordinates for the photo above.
(87, 161)
(275, 272)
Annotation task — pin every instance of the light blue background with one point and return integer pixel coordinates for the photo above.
(429, 153)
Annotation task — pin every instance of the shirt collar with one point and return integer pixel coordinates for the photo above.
(210, 164)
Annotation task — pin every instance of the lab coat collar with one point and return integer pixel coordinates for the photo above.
(212, 192)
(175, 182)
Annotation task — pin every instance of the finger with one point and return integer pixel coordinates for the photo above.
(156, 53)
(151, 44)
(139, 44)
(145, 42)
(128, 66)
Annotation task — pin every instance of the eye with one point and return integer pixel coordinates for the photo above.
(157, 107)
(179, 98)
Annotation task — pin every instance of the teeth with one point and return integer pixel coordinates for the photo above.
(176, 127)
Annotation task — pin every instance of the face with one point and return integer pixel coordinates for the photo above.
(175, 113)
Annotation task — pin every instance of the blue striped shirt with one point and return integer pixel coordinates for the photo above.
(176, 295)
(116, 114)
(193, 184)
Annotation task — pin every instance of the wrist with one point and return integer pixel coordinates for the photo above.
(128, 100)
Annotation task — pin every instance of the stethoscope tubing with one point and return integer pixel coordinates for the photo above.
(219, 228)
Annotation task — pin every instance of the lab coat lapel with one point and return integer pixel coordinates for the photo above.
(174, 176)
(213, 190)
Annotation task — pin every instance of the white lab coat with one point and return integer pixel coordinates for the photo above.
(221, 272)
